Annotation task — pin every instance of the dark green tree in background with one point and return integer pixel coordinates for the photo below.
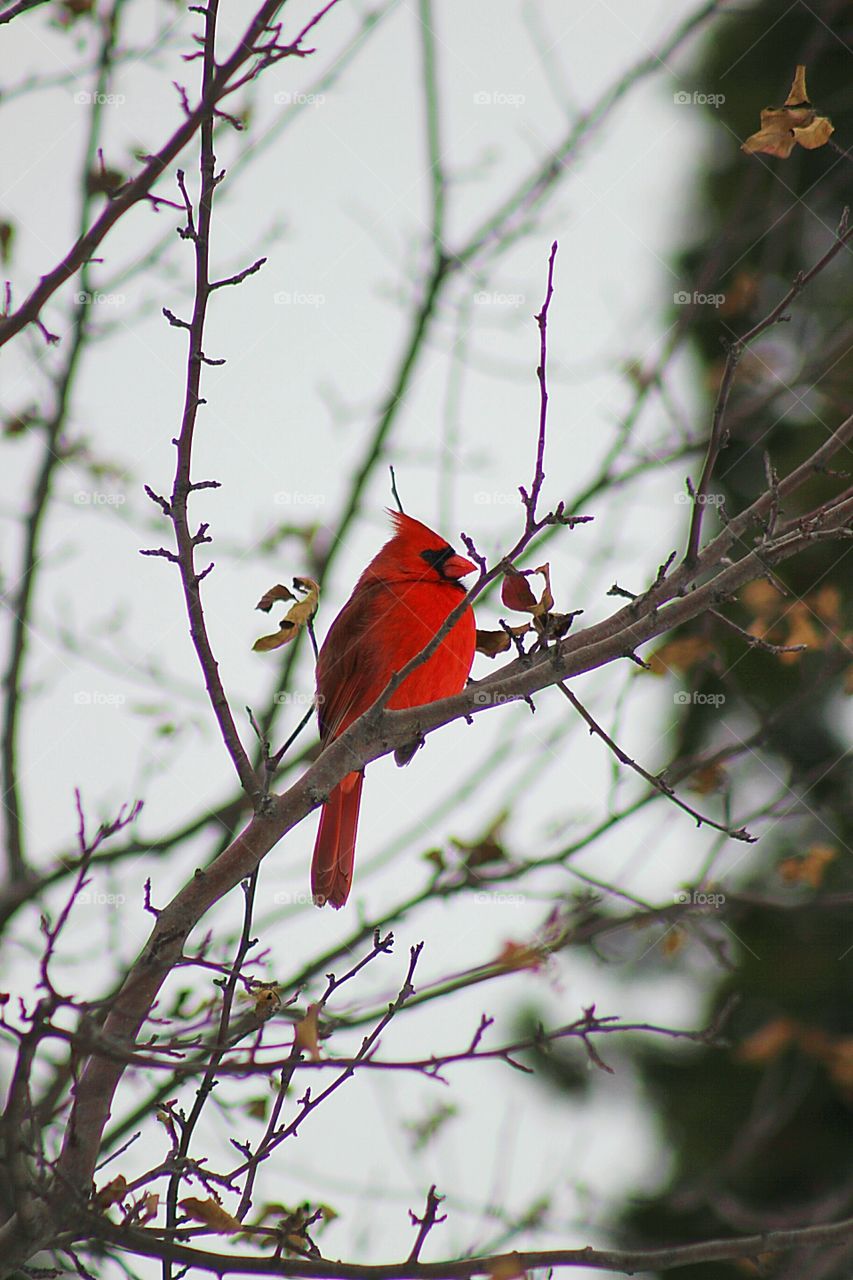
(759, 1133)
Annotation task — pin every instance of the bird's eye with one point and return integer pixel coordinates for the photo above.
(437, 559)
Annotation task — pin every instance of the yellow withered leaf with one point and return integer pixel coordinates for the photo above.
(794, 124)
(840, 1062)
(761, 598)
(546, 600)
(672, 942)
(811, 867)
(681, 655)
(146, 1209)
(307, 1033)
(767, 1042)
(800, 630)
(211, 1214)
(111, 1192)
(741, 293)
(266, 1000)
(298, 615)
(520, 955)
(827, 604)
(273, 596)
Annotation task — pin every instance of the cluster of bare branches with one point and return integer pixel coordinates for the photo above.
(61, 1127)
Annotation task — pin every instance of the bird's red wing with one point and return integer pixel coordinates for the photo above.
(351, 663)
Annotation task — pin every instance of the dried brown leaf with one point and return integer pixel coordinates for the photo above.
(266, 1000)
(297, 616)
(520, 955)
(708, 780)
(681, 655)
(516, 593)
(795, 123)
(211, 1214)
(767, 1042)
(491, 643)
(673, 941)
(811, 867)
(307, 1033)
(112, 1192)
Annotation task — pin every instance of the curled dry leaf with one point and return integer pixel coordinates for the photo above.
(146, 1209)
(211, 1214)
(112, 1193)
(307, 1034)
(266, 1000)
(487, 848)
(795, 123)
(491, 643)
(516, 593)
(298, 615)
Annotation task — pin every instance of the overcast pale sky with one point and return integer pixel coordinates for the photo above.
(331, 184)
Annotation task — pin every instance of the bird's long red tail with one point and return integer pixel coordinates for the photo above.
(334, 850)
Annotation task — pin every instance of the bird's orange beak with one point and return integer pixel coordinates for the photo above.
(457, 567)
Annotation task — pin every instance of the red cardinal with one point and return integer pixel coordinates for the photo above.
(399, 603)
